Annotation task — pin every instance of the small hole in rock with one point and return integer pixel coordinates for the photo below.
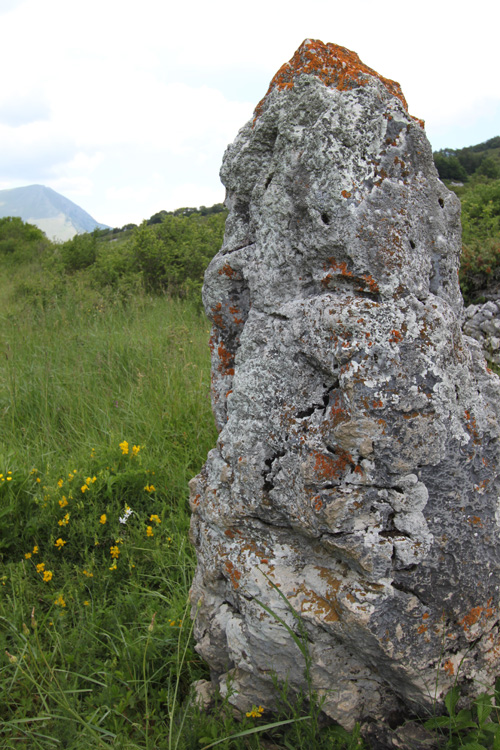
(441, 202)
(325, 218)
(412, 245)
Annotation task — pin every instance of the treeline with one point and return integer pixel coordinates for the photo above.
(460, 164)
(168, 255)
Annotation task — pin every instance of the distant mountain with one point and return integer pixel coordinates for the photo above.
(54, 214)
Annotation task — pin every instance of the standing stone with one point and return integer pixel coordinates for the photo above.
(355, 478)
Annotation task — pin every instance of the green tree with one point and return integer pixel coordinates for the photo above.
(489, 168)
(449, 167)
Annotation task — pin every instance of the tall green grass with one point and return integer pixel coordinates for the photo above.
(104, 417)
(83, 380)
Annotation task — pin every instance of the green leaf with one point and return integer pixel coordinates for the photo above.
(492, 728)
(464, 720)
(483, 707)
(451, 700)
(437, 722)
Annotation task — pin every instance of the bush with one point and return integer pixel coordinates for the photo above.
(21, 241)
(172, 256)
(79, 252)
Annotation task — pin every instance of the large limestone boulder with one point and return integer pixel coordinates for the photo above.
(355, 478)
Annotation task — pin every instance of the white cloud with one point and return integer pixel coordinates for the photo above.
(130, 106)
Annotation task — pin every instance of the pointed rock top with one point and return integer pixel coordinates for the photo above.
(335, 66)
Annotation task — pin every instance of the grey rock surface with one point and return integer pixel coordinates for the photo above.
(355, 477)
(482, 322)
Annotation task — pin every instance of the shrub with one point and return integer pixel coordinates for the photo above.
(79, 252)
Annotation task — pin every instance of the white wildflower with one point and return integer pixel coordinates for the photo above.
(126, 515)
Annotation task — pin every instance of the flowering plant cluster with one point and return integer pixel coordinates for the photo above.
(85, 523)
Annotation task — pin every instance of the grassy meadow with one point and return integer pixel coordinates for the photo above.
(105, 416)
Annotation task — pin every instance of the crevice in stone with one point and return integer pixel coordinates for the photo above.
(278, 315)
(268, 483)
(410, 592)
(325, 401)
(238, 247)
(269, 180)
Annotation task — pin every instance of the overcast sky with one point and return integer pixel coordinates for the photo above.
(126, 108)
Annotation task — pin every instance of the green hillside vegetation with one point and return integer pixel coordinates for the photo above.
(473, 173)
(167, 254)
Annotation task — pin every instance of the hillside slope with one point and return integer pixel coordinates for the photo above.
(54, 214)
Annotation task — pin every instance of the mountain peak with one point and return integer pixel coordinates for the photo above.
(54, 214)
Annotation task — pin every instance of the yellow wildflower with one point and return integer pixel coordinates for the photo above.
(155, 518)
(113, 567)
(84, 488)
(103, 518)
(256, 712)
(63, 503)
(47, 576)
(59, 543)
(27, 555)
(40, 567)
(124, 447)
(89, 575)
(135, 449)
(35, 549)
(64, 521)
(86, 603)
(150, 488)
(114, 551)
(38, 479)
(60, 483)
(60, 601)
(149, 531)
(9, 479)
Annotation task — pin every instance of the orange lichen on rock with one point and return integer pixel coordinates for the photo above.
(234, 574)
(331, 468)
(226, 270)
(226, 360)
(337, 67)
(475, 614)
(449, 668)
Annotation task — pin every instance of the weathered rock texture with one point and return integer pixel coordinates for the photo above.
(482, 322)
(356, 468)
